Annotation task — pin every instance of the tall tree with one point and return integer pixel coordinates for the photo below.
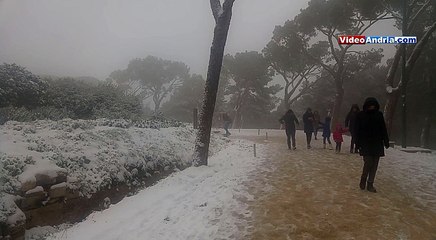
(420, 20)
(362, 79)
(285, 55)
(421, 98)
(251, 94)
(185, 99)
(223, 15)
(323, 21)
(151, 77)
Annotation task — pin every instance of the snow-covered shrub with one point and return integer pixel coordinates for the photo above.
(27, 115)
(97, 154)
(19, 87)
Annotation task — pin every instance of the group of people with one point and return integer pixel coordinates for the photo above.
(312, 124)
(367, 128)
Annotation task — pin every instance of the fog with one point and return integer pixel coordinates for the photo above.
(93, 38)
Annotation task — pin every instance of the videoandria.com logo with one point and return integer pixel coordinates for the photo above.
(359, 39)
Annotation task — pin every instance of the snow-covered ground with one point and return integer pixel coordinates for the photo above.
(415, 173)
(89, 155)
(197, 203)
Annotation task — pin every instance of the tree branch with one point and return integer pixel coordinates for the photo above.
(418, 48)
(413, 20)
(372, 22)
(217, 9)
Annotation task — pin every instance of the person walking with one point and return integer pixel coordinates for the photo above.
(349, 123)
(371, 136)
(227, 121)
(326, 132)
(337, 136)
(308, 126)
(289, 120)
(316, 120)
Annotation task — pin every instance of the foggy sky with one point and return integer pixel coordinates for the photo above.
(96, 37)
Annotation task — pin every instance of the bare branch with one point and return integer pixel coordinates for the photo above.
(389, 81)
(372, 22)
(418, 48)
(389, 10)
(414, 18)
(332, 47)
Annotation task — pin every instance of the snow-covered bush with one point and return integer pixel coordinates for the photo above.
(19, 87)
(95, 154)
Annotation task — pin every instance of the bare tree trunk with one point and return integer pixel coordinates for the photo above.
(339, 98)
(390, 108)
(238, 118)
(425, 133)
(222, 15)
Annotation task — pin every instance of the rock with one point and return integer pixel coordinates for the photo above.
(28, 185)
(62, 177)
(43, 179)
(106, 203)
(36, 192)
(58, 190)
(54, 200)
(33, 198)
(72, 194)
(14, 225)
(17, 232)
(32, 202)
(50, 178)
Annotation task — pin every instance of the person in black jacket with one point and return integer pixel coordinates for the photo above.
(349, 123)
(308, 119)
(371, 137)
(289, 120)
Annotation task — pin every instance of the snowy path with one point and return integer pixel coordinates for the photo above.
(197, 203)
(314, 194)
(302, 194)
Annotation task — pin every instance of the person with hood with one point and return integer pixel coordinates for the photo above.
(349, 123)
(326, 132)
(308, 125)
(316, 120)
(289, 120)
(371, 136)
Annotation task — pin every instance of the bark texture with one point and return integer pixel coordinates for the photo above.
(222, 14)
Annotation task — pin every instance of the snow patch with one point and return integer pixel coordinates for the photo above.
(197, 203)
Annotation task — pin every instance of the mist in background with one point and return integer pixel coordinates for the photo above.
(94, 38)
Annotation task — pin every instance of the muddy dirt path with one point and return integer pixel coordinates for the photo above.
(314, 194)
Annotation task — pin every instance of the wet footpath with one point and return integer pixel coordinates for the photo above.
(314, 194)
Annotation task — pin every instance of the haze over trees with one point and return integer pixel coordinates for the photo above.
(303, 56)
(251, 95)
(151, 77)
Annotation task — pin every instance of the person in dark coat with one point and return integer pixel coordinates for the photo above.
(308, 125)
(371, 137)
(349, 123)
(227, 121)
(289, 120)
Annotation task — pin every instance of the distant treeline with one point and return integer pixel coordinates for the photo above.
(26, 97)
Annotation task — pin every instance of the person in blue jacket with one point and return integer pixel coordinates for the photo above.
(326, 132)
